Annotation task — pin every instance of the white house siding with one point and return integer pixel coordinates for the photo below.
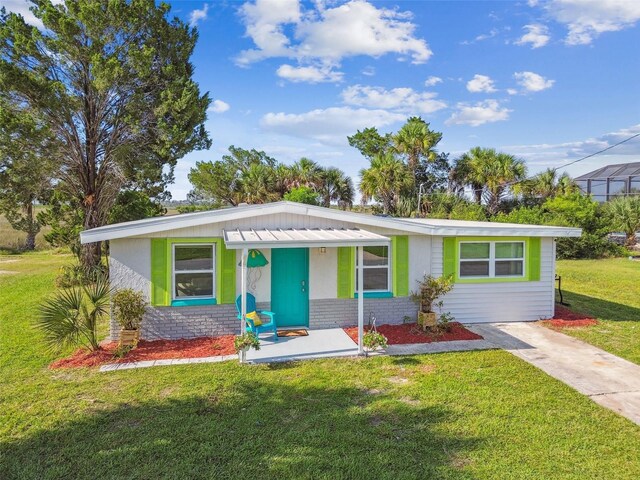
(501, 302)
(419, 259)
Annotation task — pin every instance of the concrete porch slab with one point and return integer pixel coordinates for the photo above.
(329, 342)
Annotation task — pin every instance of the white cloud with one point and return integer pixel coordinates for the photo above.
(309, 74)
(21, 7)
(327, 35)
(432, 81)
(512, 91)
(330, 125)
(198, 15)
(581, 148)
(537, 36)
(481, 83)
(587, 19)
(484, 36)
(532, 82)
(218, 106)
(369, 71)
(488, 111)
(396, 99)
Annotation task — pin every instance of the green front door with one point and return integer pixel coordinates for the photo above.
(290, 286)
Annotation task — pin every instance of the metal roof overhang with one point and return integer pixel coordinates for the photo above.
(302, 237)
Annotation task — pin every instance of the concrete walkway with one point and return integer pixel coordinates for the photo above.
(608, 380)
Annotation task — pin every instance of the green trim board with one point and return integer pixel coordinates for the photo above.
(400, 265)
(346, 272)
(532, 258)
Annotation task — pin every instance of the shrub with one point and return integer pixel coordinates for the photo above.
(430, 289)
(77, 275)
(373, 340)
(302, 195)
(246, 341)
(72, 316)
(129, 307)
(589, 245)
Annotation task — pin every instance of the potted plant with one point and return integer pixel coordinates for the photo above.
(129, 307)
(372, 341)
(244, 342)
(430, 290)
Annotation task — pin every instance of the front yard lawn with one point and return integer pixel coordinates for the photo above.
(462, 415)
(610, 291)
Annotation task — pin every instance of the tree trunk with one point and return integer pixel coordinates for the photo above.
(631, 239)
(32, 228)
(91, 253)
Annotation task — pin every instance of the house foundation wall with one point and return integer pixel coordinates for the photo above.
(214, 320)
(343, 312)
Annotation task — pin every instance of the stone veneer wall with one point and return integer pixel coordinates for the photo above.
(214, 320)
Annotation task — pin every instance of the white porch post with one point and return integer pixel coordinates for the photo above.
(360, 299)
(243, 290)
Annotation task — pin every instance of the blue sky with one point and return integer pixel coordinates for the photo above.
(548, 81)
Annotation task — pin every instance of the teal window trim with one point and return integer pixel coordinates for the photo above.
(375, 295)
(526, 260)
(194, 302)
(217, 267)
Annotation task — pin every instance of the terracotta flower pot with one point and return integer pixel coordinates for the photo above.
(129, 338)
(427, 319)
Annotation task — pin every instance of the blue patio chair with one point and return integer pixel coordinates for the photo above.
(269, 326)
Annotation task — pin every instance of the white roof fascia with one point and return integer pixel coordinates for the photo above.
(420, 226)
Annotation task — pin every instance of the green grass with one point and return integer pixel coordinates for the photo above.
(610, 291)
(463, 415)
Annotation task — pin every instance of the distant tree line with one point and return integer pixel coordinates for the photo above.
(251, 176)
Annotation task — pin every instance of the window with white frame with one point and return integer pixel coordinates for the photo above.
(491, 259)
(194, 271)
(375, 269)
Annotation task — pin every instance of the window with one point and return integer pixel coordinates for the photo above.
(375, 268)
(193, 271)
(491, 259)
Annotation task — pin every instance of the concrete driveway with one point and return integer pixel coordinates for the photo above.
(608, 380)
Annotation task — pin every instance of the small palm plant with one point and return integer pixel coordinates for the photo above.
(72, 316)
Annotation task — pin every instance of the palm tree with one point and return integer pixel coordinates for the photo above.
(385, 180)
(305, 173)
(547, 184)
(625, 215)
(258, 184)
(335, 187)
(73, 315)
(346, 193)
(416, 141)
(489, 174)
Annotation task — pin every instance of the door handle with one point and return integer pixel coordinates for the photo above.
(303, 285)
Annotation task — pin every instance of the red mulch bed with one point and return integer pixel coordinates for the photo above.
(412, 333)
(565, 318)
(151, 350)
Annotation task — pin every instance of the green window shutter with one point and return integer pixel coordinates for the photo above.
(346, 272)
(400, 265)
(228, 277)
(535, 253)
(449, 256)
(159, 272)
